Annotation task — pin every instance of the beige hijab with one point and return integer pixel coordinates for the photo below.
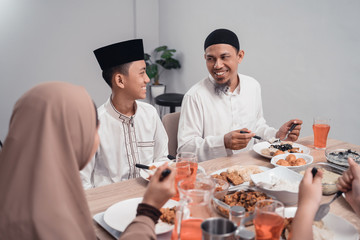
(50, 138)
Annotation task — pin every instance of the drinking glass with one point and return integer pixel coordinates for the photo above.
(321, 128)
(190, 158)
(182, 171)
(269, 219)
(194, 207)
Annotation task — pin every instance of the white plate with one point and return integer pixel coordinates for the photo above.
(261, 145)
(145, 174)
(121, 214)
(243, 184)
(342, 229)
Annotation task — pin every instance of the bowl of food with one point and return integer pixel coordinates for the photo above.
(281, 183)
(339, 154)
(293, 161)
(331, 173)
(221, 188)
(246, 197)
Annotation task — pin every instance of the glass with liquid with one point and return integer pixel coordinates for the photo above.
(321, 128)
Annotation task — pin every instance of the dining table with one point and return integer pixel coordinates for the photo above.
(101, 198)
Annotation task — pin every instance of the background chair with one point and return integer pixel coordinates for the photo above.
(171, 124)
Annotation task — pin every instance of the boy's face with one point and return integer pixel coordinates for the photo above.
(136, 80)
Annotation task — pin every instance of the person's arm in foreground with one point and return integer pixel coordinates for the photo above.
(310, 193)
(156, 195)
(349, 183)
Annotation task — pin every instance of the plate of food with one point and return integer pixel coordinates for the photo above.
(268, 150)
(147, 173)
(339, 155)
(120, 215)
(237, 174)
(331, 227)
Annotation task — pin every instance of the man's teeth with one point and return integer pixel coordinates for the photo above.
(220, 73)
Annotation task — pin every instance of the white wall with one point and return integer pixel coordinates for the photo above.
(54, 40)
(305, 54)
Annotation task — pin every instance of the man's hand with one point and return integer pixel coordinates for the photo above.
(235, 140)
(349, 183)
(294, 134)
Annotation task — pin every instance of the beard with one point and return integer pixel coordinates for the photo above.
(221, 88)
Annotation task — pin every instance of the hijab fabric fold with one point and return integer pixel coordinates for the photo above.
(50, 138)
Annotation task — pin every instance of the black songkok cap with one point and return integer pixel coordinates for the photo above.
(120, 53)
(222, 36)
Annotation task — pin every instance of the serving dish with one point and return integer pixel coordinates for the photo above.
(330, 175)
(341, 229)
(339, 154)
(263, 145)
(281, 183)
(308, 159)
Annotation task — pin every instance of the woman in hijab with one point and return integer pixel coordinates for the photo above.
(52, 135)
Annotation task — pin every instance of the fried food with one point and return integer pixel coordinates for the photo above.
(244, 198)
(168, 215)
(278, 152)
(291, 160)
(235, 178)
(283, 162)
(219, 177)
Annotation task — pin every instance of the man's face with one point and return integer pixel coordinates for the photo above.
(136, 80)
(222, 62)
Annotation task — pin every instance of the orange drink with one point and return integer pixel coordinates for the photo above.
(191, 159)
(269, 219)
(321, 129)
(190, 230)
(183, 171)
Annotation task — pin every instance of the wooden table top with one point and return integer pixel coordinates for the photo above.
(99, 199)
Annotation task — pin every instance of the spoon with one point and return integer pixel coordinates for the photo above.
(325, 208)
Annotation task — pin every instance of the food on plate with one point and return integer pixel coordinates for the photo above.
(168, 215)
(278, 152)
(238, 174)
(329, 181)
(280, 148)
(291, 160)
(244, 198)
(320, 231)
(280, 184)
(152, 167)
(341, 155)
(245, 171)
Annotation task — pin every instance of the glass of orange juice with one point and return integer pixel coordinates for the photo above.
(182, 171)
(190, 158)
(269, 219)
(321, 128)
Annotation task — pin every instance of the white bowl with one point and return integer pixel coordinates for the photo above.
(262, 180)
(308, 158)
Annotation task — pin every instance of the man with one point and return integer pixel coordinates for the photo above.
(130, 131)
(216, 109)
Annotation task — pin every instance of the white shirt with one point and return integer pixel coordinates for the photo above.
(125, 141)
(206, 117)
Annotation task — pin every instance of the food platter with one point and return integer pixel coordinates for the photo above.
(262, 145)
(120, 215)
(339, 156)
(341, 229)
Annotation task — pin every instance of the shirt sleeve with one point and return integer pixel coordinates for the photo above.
(161, 141)
(190, 133)
(142, 227)
(86, 173)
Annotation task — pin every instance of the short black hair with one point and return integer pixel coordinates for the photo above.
(109, 73)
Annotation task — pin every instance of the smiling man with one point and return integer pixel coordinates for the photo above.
(216, 109)
(130, 131)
